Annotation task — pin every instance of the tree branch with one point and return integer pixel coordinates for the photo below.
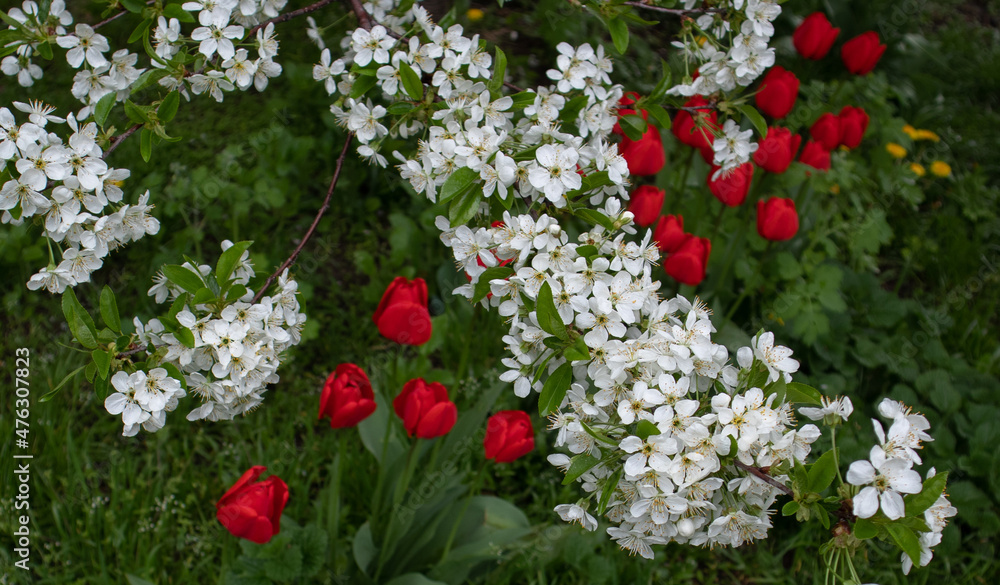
(756, 472)
(363, 19)
(312, 228)
(116, 16)
(289, 15)
(674, 11)
(119, 139)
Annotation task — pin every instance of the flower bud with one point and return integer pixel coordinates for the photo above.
(814, 37)
(861, 53)
(777, 219)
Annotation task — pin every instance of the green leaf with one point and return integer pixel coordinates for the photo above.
(229, 259)
(595, 217)
(185, 336)
(45, 50)
(109, 310)
(619, 34)
(80, 323)
(790, 508)
(660, 115)
(152, 76)
(411, 82)
(499, 70)
(578, 351)
(609, 489)
(55, 389)
(554, 389)
(168, 107)
(103, 361)
(135, 6)
(364, 547)
(236, 292)
(400, 108)
(548, 316)
(175, 373)
(136, 114)
(103, 108)
(458, 182)
(102, 386)
(175, 11)
(146, 144)
(183, 277)
(802, 393)
(466, 206)
(646, 429)
(483, 284)
(9, 20)
(633, 126)
(523, 99)
(663, 85)
(579, 465)
(755, 118)
(906, 539)
(204, 295)
(91, 371)
(140, 31)
(822, 472)
(865, 529)
(362, 84)
(414, 579)
(916, 504)
(600, 437)
(571, 111)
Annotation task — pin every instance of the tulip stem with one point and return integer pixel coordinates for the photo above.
(684, 175)
(465, 507)
(398, 493)
(333, 523)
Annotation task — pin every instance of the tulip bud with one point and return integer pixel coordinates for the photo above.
(669, 233)
(347, 397)
(778, 92)
(402, 314)
(777, 219)
(691, 133)
(861, 53)
(645, 204)
(814, 37)
(508, 436)
(253, 510)
(687, 264)
(777, 150)
(815, 156)
(425, 409)
(853, 123)
(826, 131)
(731, 187)
(644, 156)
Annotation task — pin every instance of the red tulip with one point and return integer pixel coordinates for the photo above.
(853, 123)
(815, 156)
(627, 100)
(347, 397)
(644, 156)
(861, 53)
(425, 409)
(669, 233)
(687, 264)
(402, 314)
(253, 510)
(731, 188)
(777, 219)
(777, 150)
(826, 130)
(815, 36)
(778, 92)
(688, 132)
(508, 436)
(645, 204)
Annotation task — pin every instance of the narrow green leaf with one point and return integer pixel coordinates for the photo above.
(663, 85)
(146, 144)
(663, 120)
(80, 323)
(578, 351)
(102, 386)
(755, 118)
(229, 259)
(184, 335)
(152, 76)
(175, 11)
(411, 82)
(458, 182)
(483, 284)
(176, 374)
(523, 99)
(917, 504)
(499, 70)
(55, 389)
(400, 108)
(103, 108)
(547, 314)
(362, 84)
(619, 34)
(609, 489)
(466, 206)
(579, 465)
(140, 31)
(168, 107)
(906, 539)
(633, 126)
(109, 310)
(595, 217)
(790, 508)
(554, 389)
(103, 361)
(91, 371)
(571, 111)
(822, 472)
(646, 429)
(802, 393)
(135, 6)
(183, 277)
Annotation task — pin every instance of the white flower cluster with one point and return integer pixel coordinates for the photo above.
(29, 17)
(68, 185)
(143, 399)
(99, 76)
(888, 473)
(237, 346)
(724, 62)
(522, 152)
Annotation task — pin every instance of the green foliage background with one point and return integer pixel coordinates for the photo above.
(888, 290)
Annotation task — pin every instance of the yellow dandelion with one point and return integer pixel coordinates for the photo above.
(896, 150)
(475, 14)
(927, 135)
(910, 131)
(918, 169)
(939, 168)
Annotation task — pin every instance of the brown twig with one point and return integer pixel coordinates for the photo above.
(312, 228)
(756, 472)
(116, 16)
(512, 86)
(363, 19)
(290, 15)
(132, 351)
(119, 139)
(674, 11)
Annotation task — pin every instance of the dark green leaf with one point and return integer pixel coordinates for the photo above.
(362, 84)
(646, 429)
(660, 115)
(151, 76)
(103, 108)
(236, 293)
(571, 111)
(619, 34)
(103, 361)
(135, 6)
(802, 393)
(547, 314)
(168, 107)
(822, 472)
(109, 310)
(916, 504)
(483, 284)
(91, 371)
(609, 489)
(140, 31)
(755, 118)
(229, 259)
(146, 144)
(400, 108)
(457, 183)
(499, 70)
(554, 389)
(102, 386)
(55, 389)
(466, 206)
(79, 320)
(411, 82)
(579, 465)
(595, 217)
(865, 529)
(45, 50)
(204, 295)
(663, 85)
(175, 373)
(183, 277)
(578, 351)
(790, 508)
(184, 335)
(906, 539)
(175, 11)
(523, 99)
(633, 126)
